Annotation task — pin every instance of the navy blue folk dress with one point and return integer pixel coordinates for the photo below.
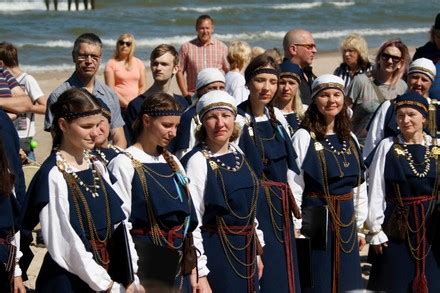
(293, 121)
(270, 153)
(230, 246)
(9, 225)
(173, 211)
(48, 184)
(397, 268)
(338, 266)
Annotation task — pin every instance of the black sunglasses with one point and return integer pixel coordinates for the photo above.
(386, 57)
(128, 44)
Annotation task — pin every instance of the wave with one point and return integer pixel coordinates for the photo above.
(342, 4)
(368, 32)
(45, 68)
(244, 36)
(293, 6)
(17, 6)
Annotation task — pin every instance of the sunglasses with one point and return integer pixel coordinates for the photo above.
(307, 46)
(386, 57)
(121, 43)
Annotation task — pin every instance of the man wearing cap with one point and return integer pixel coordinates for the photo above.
(202, 52)
(431, 50)
(208, 79)
(300, 48)
(164, 61)
(421, 75)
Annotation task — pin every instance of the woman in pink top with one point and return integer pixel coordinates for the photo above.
(125, 73)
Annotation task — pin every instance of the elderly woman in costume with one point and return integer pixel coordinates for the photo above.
(368, 90)
(208, 79)
(266, 143)
(73, 198)
(331, 185)
(403, 188)
(155, 188)
(288, 99)
(420, 77)
(225, 191)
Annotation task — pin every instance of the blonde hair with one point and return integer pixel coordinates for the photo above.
(239, 54)
(257, 51)
(132, 47)
(358, 43)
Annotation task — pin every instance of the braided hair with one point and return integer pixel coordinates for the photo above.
(263, 64)
(7, 178)
(156, 105)
(70, 105)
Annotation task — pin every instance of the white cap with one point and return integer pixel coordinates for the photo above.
(423, 65)
(327, 81)
(216, 100)
(207, 76)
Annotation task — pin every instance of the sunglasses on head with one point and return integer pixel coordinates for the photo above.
(386, 57)
(128, 44)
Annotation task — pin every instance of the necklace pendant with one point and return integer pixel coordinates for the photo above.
(213, 165)
(251, 131)
(346, 164)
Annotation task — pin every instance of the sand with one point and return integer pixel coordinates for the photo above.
(325, 62)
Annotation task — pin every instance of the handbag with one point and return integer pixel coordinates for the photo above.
(396, 226)
(304, 253)
(158, 266)
(315, 225)
(189, 260)
(120, 267)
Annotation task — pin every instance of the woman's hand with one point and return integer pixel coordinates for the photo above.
(380, 247)
(18, 285)
(361, 242)
(132, 288)
(260, 267)
(200, 286)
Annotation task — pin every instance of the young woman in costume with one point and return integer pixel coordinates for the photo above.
(10, 273)
(266, 143)
(225, 191)
(331, 183)
(403, 215)
(73, 198)
(155, 187)
(288, 99)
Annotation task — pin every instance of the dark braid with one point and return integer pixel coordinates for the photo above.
(168, 158)
(272, 116)
(7, 178)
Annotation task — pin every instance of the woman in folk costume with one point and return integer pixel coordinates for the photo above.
(331, 183)
(420, 77)
(225, 191)
(288, 99)
(266, 143)
(73, 199)
(404, 215)
(155, 187)
(10, 273)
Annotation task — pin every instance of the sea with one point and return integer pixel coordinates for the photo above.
(45, 37)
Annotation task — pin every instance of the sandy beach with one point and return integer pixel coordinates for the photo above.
(324, 62)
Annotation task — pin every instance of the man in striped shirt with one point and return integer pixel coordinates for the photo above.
(202, 52)
(12, 97)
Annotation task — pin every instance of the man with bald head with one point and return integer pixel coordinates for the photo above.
(300, 48)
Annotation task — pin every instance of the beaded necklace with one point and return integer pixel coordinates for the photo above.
(91, 188)
(345, 151)
(216, 162)
(102, 155)
(409, 158)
